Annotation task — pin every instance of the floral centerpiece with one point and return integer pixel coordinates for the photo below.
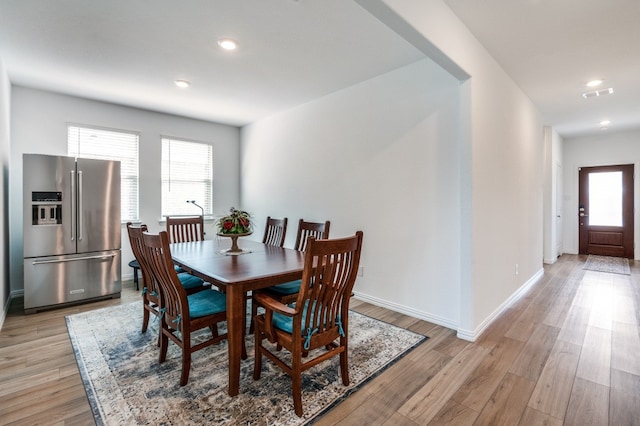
(236, 222)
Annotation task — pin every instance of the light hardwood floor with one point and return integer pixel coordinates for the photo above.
(568, 352)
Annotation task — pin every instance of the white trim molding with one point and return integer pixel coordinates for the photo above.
(472, 335)
(406, 310)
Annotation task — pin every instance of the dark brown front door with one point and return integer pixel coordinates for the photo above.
(605, 212)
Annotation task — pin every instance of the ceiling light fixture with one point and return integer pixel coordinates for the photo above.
(596, 93)
(182, 84)
(228, 44)
(605, 122)
(594, 83)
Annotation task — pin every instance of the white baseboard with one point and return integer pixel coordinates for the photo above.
(472, 335)
(445, 322)
(469, 335)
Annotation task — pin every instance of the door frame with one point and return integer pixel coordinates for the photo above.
(570, 209)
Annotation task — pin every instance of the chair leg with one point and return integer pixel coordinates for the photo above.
(344, 367)
(257, 361)
(164, 344)
(254, 312)
(214, 330)
(296, 383)
(186, 365)
(145, 318)
(135, 278)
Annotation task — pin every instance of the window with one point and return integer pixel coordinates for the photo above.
(106, 144)
(187, 175)
(605, 199)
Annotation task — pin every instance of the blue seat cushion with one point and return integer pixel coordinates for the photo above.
(189, 281)
(178, 269)
(284, 322)
(206, 302)
(285, 289)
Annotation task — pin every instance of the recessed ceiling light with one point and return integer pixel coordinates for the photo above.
(228, 44)
(594, 83)
(182, 83)
(605, 122)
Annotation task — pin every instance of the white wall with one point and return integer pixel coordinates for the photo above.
(553, 167)
(607, 148)
(39, 125)
(5, 115)
(381, 156)
(501, 148)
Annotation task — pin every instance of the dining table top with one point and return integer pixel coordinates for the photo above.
(259, 266)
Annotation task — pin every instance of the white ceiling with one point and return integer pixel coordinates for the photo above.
(551, 48)
(294, 51)
(130, 52)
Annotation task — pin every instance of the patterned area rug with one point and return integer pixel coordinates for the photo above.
(125, 384)
(615, 265)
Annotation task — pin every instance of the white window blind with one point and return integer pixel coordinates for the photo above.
(105, 144)
(187, 174)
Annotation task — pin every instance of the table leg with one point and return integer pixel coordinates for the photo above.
(235, 319)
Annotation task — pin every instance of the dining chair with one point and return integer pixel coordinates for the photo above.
(150, 291)
(182, 313)
(183, 229)
(275, 231)
(316, 327)
(287, 292)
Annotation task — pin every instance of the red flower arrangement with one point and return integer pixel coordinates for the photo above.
(237, 222)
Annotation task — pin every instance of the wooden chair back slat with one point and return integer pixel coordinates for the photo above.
(183, 229)
(318, 230)
(275, 231)
(327, 282)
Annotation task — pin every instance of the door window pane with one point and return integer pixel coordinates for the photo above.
(605, 199)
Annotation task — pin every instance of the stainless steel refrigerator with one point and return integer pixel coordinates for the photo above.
(72, 236)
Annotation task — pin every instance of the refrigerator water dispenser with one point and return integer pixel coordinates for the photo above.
(46, 208)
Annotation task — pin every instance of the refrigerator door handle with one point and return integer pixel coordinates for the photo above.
(101, 257)
(73, 205)
(80, 208)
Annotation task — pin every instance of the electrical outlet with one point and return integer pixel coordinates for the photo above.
(361, 271)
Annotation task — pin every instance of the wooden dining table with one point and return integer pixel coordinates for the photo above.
(259, 267)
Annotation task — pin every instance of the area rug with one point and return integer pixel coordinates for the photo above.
(614, 265)
(126, 385)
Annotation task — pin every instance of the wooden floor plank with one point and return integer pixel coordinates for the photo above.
(534, 355)
(625, 347)
(595, 358)
(483, 381)
(589, 404)
(455, 414)
(423, 406)
(625, 399)
(534, 417)
(553, 389)
(508, 402)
